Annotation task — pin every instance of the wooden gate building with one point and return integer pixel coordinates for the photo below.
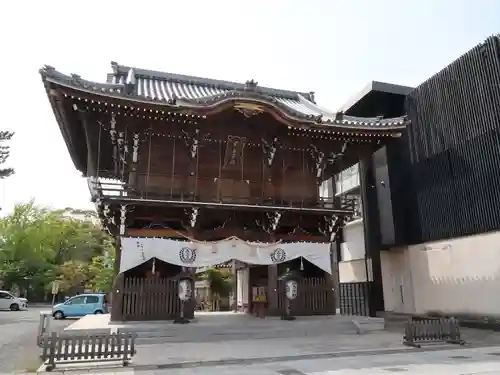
(187, 172)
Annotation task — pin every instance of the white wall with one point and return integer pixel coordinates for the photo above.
(355, 271)
(347, 179)
(460, 275)
(242, 280)
(354, 241)
(397, 281)
(352, 268)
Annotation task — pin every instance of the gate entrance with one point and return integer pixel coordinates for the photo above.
(199, 161)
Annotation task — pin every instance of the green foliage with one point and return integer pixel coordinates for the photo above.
(39, 245)
(5, 153)
(219, 281)
(101, 272)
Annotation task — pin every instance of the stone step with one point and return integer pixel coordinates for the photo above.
(368, 324)
(193, 332)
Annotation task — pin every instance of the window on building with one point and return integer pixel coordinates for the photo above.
(347, 179)
(325, 191)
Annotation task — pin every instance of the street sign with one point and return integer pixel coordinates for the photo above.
(55, 286)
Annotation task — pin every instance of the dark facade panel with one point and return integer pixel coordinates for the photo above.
(454, 149)
(382, 187)
(403, 193)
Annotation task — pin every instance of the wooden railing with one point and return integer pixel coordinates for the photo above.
(73, 349)
(210, 190)
(420, 331)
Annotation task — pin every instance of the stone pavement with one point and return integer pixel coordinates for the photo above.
(458, 361)
(18, 331)
(219, 340)
(175, 353)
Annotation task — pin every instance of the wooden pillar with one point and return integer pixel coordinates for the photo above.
(234, 287)
(335, 280)
(272, 289)
(117, 298)
(118, 283)
(335, 251)
(249, 287)
(118, 255)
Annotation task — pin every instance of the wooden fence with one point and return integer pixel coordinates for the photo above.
(315, 297)
(69, 348)
(432, 330)
(151, 299)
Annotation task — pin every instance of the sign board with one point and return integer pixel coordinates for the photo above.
(55, 287)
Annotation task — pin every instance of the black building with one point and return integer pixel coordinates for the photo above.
(379, 187)
(441, 179)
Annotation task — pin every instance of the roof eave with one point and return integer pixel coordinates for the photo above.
(62, 126)
(384, 87)
(117, 91)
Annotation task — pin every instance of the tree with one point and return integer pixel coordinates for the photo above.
(220, 284)
(5, 153)
(26, 246)
(72, 274)
(39, 245)
(101, 272)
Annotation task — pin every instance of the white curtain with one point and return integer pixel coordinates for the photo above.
(136, 251)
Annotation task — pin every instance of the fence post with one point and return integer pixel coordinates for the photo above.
(126, 348)
(132, 343)
(52, 352)
(408, 339)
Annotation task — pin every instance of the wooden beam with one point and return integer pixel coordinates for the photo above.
(143, 232)
(225, 206)
(158, 219)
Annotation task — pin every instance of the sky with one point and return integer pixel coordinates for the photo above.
(331, 47)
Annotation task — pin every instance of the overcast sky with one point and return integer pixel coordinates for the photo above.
(332, 47)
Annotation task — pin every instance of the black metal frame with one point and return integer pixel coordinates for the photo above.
(355, 298)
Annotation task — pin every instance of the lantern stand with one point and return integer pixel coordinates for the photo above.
(290, 279)
(185, 293)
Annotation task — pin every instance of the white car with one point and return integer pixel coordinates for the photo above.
(10, 302)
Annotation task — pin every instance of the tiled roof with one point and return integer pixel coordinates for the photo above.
(195, 92)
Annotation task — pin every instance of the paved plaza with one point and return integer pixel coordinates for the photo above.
(238, 344)
(463, 361)
(18, 331)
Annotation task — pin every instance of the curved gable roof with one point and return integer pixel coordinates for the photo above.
(175, 90)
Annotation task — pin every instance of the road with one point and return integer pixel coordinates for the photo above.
(18, 331)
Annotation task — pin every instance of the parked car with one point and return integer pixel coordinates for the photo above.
(81, 305)
(11, 302)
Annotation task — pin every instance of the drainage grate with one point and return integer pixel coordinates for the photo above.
(290, 372)
(459, 357)
(395, 369)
